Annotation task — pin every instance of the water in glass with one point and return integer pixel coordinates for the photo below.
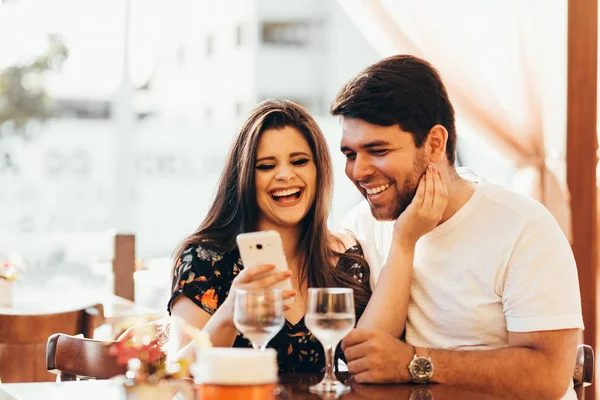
(259, 315)
(330, 317)
(330, 329)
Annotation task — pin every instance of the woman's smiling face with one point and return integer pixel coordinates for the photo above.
(285, 178)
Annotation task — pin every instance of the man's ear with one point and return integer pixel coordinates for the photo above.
(436, 143)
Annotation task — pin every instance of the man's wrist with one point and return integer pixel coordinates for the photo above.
(403, 243)
(421, 366)
(422, 352)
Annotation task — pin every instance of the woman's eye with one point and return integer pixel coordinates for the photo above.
(265, 167)
(301, 161)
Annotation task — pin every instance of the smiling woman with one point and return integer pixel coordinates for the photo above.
(277, 177)
(286, 178)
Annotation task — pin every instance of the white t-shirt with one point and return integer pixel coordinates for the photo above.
(501, 263)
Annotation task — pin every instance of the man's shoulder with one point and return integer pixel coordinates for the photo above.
(501, 199)
(506, 203)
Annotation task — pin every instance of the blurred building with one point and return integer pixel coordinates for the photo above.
(196, 68)
(233, 54)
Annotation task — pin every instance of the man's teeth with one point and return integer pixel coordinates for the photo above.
(378, 189)
(288, 192)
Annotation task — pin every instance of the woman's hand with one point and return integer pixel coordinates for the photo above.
(425, 211)
(259, 277)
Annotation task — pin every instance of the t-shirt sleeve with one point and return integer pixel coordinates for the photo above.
(203, 276)
(541, 286)
(369, 233)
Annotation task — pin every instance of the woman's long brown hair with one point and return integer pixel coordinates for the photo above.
(234, 208)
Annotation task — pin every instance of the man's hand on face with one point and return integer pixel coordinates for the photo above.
(426, 209)
(377, 357)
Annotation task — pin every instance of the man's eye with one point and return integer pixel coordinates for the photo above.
(350, 156)
(301, 161)
(379, 152)
(265, 167)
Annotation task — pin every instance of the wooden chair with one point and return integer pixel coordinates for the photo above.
(23, 340)
(584, 369)
(72, 357)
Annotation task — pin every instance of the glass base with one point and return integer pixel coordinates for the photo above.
(329, 386)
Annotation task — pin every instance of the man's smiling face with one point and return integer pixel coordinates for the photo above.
(384, 164)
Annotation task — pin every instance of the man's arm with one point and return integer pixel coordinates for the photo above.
(388, 305)
(387, 308)
(536, 365)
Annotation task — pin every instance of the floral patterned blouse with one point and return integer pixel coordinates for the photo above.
(205, 277)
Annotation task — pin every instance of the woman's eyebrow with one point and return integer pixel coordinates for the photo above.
(294, 154)
(270, 158)
(299, 153)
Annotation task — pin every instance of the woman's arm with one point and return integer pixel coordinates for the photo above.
(219, 326)
(388, 305)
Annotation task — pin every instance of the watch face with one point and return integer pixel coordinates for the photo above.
(421, 368)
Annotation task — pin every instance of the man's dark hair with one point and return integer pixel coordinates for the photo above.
(403, 90)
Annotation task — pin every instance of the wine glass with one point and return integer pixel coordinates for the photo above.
(258, 314)
(330, 317)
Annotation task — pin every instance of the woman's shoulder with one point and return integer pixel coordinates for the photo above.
(346, 243)
(203, 255)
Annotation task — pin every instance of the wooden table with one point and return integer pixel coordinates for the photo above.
(119, 314)
(296, 387)
(116, 309)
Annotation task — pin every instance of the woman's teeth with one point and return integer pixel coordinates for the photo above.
(378, 189)
(288, 192)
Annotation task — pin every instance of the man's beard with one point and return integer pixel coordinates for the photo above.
(402, 199)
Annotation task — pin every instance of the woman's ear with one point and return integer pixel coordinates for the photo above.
(436, 143)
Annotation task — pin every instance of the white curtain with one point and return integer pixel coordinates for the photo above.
(504, 63)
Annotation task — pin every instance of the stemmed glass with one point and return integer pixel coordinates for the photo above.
(330, 317)
(258, 314)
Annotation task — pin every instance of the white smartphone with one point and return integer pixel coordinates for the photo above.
(265, 247)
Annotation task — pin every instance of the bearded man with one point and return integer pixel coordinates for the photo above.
(480, 282)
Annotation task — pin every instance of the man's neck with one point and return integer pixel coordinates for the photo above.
(459, 191)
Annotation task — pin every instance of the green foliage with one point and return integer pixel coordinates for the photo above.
(24, 102)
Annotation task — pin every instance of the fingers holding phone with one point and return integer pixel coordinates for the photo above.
(267, 280)
(263, 277)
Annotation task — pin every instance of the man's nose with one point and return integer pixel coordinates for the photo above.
(362, 169)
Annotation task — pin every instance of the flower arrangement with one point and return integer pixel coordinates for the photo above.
(8, 269)
(141, 349)
(8, 273)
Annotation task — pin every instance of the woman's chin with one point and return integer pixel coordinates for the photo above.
(289, 221)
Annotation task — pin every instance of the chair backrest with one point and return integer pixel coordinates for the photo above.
(72, 357)
(23, 339)
(584, 366)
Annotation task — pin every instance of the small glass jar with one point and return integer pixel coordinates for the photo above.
(6, 292)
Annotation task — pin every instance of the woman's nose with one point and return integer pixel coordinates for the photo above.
(284, 173)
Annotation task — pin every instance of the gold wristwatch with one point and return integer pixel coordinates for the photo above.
(420, 367)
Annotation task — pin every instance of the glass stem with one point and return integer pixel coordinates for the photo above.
(329, 356)
(255, 345)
